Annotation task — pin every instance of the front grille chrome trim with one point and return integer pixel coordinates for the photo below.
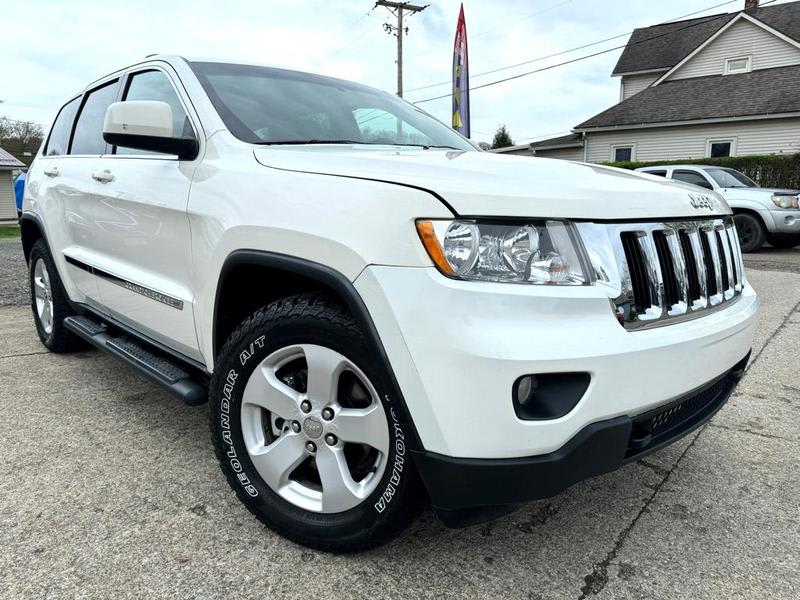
(639, 293)
(700, 264)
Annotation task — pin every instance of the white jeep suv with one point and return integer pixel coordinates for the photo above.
(378, 313)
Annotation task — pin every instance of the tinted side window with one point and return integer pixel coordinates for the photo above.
(88, 138)
(58, 142)
(659, 173)
(691, 177)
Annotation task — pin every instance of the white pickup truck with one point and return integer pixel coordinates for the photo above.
(378, 313)
(761, 214)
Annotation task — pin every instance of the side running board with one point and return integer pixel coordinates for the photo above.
(163, 371)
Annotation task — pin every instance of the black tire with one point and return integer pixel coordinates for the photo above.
(59, 339)
(784, 241)
(752, 233)
(317, 320)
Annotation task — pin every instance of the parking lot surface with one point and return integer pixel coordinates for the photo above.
(110, 489)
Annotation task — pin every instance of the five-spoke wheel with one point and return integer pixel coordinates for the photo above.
(314, 428)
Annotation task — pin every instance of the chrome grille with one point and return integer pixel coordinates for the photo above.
(660, 273)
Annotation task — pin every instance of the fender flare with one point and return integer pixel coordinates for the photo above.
(36, 220)
(347, 293)
(753, 206)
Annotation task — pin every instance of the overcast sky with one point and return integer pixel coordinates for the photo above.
(50, 49)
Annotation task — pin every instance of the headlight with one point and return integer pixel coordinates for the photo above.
(539, 252)
(785, 201)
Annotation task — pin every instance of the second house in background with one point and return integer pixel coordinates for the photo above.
(714, 86)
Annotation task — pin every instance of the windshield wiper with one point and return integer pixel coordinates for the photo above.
(308, 142)
(299, 142)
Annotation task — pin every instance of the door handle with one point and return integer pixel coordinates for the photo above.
(52, 172)
(103, 176)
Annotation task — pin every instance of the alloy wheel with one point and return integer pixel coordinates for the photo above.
(43, 296)
(314, 428)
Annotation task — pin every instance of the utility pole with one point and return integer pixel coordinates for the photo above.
(398, 8)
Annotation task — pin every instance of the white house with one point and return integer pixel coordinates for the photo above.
(721, 85)
(8, 205)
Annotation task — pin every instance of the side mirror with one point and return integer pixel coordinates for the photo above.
(146, 125)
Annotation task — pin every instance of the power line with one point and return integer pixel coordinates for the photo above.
(562, 52)
(509, 24)
(580, 58)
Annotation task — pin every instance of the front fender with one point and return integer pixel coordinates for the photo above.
(757, 207)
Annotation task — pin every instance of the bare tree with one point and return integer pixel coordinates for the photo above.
(21, 139)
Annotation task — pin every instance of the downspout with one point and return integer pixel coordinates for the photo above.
(585, 146)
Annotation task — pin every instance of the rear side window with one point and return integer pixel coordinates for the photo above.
(659, 173)
(58, 142)
(155, 85)
(691, 177)
(88, 138)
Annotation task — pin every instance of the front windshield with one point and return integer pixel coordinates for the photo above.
(263, 105)
(728, 178)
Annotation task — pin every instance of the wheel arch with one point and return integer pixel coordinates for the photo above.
(31, 230)
(280, 275)
(757, 211)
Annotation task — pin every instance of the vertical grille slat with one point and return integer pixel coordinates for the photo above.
(676, 270)
(655, 280)
(711, 257)
(691, 266)
(667, 268)
(636, 270)
(725, 259)
(733, 243)
(681, 273)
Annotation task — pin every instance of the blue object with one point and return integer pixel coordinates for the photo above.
(19, 189)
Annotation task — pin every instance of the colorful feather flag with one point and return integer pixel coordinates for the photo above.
(461, 78)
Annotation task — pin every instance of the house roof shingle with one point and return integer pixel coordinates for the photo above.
(562, 141)
(762, 92)
(665, 45)
(9, 162)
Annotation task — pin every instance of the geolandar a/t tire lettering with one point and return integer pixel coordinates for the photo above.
(305, 431)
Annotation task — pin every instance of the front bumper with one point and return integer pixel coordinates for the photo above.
(458, 485)
(457, 348)
(786, 221)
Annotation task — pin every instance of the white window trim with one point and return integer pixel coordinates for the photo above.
(747, 69)
(731, 141)
(616, 146)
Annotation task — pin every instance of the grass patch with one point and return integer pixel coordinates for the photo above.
(9, 231)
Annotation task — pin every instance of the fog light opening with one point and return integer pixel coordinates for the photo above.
(547, 395)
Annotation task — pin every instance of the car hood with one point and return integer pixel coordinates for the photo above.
(495, 185)
(755, 192)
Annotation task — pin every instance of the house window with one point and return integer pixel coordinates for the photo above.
(621, 153)
(719, 148)
(740, 64)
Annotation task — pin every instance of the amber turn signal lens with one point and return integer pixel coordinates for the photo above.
(428, 237)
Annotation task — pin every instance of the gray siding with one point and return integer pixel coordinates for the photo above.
(743, 38)
(562, 153)
(8, 204)
(770, 136)
(633, 84)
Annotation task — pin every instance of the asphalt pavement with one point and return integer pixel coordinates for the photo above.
(110, 489)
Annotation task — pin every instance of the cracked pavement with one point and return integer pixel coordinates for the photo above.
(110, 489)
